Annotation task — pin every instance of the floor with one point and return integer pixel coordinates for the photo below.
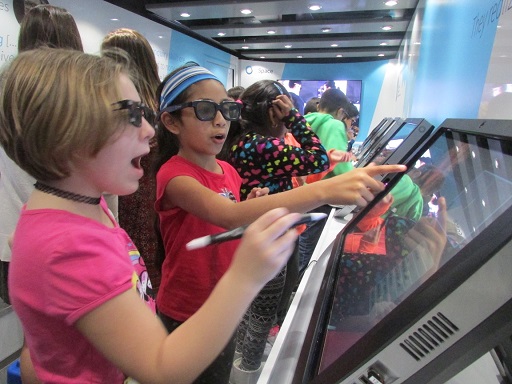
(482, 371)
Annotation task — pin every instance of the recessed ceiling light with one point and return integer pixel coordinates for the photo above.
(185, 14)
(325, 30)
(221, 34)
(114, 19)
(391, 3)
(288, 46)
(315, 7)
(334, 45)
(245, 47)
(383, 44)
(160, 36)
(299, 57)
(381, 54)
(387, 28)
(262, 57)
(246, 11)
(271, 32)
(339, 55)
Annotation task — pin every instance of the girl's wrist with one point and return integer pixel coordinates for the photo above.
(294, 118)
(246, 286)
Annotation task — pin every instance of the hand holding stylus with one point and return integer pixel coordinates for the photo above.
(266, 245)
(237, 233)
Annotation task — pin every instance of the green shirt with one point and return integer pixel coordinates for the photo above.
(333, 135)
(408, 201)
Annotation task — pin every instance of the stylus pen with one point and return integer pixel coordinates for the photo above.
(237, 233)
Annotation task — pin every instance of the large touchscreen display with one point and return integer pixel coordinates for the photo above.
(452, 192)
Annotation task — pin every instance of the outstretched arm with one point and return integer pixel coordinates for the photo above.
(355, 187)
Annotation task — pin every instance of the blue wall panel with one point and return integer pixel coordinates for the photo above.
(184, 48)
(457, 40)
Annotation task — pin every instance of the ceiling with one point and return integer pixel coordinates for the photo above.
(340, 31)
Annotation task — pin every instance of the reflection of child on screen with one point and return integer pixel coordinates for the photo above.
(377, 249)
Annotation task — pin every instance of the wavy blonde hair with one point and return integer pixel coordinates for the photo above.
(56, 107)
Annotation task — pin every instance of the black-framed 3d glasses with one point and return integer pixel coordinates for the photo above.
(136, 112)
(205, 110)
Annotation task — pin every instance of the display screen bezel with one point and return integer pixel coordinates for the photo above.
(432, 291)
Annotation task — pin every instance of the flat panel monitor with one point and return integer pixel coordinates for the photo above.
(308, 89)
(403, 139)
(404, 287)
(376, 132)
(383, 133)
(394, 147)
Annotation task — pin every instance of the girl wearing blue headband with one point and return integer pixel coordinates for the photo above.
(199, 195)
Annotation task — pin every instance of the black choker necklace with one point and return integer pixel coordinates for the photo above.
(66, 195)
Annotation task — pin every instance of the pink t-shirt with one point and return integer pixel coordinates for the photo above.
(64, 266)
(188, 277)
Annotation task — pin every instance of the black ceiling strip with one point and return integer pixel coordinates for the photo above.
(311, 37)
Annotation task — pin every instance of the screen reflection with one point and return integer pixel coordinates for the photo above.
(454, 190)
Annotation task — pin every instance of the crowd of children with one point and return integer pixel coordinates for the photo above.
(83, 127)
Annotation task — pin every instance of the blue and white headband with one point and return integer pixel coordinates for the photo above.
(181, 81)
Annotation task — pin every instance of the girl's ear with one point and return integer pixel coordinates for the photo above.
(274, 120)
(170, 123)
(340, 114)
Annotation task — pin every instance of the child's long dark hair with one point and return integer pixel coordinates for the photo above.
(168, 146)
(254, 118)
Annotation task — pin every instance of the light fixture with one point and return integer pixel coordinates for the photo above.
(387, 28)
(315, 7)
(221, 34)
(245, 47)
(325, 30)
(246, 11)
(391, 3)
(339, 55)
(114, 19)
(334, 45)
(299, 57)
(288, 46)
(185, 14)
(160, 36)
(384, 43)
(381, 55)
(262, 57)
(271, 32)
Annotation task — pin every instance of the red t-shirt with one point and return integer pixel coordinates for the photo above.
(188, 277)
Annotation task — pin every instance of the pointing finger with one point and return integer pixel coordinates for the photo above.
(384, 169)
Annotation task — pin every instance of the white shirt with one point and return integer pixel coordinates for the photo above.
(15, 188)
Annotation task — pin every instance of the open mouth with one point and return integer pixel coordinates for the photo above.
(136, 162)
(220, 137)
